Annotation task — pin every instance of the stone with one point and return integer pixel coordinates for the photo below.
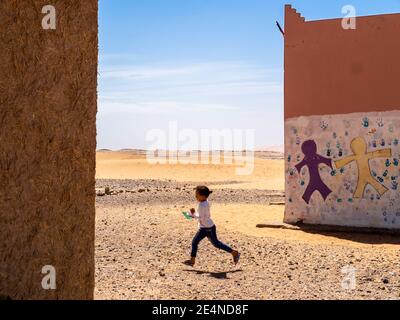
(100, 192)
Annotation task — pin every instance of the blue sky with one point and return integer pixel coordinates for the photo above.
(203, 63)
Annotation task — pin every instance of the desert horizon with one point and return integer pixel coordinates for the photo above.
(272, 150)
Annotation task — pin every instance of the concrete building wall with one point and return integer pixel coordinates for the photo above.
(48, 82)
(342, 124)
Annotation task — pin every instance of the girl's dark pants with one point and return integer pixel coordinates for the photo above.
(211, 234)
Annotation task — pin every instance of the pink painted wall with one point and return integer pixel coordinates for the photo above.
(329, 70)
(342, 121)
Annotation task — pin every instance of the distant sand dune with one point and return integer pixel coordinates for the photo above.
(268, 174)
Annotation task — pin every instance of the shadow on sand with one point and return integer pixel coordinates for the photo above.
(216, 275)
(371, 236)
(365, 238)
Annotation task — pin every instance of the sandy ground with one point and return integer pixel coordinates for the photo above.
(142, 239)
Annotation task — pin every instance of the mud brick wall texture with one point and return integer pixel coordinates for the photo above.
(48, 94)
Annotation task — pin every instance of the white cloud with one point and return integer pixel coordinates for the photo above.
(157, 107)
(212, 84)
(227, 70)
(115, 57)
(147, 73)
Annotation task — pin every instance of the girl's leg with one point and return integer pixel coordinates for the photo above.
(218, 244)
(200, 235)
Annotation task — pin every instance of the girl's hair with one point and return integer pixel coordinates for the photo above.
(203, 191)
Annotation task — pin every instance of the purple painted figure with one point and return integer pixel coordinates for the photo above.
(312, 160)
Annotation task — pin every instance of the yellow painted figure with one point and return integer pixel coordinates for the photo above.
(362, 158)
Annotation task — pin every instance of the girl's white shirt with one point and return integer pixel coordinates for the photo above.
(203, 215)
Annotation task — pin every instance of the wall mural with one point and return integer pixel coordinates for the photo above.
(362, 158)
(312, 160)
(344, 169)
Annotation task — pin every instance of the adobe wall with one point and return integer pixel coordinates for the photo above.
(48, 97)
(342, 124)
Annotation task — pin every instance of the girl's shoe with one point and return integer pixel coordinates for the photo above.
(189, 263)
(236, 257)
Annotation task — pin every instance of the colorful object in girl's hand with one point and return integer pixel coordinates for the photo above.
(187, 216)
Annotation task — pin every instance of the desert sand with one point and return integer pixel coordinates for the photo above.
(142, 238)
